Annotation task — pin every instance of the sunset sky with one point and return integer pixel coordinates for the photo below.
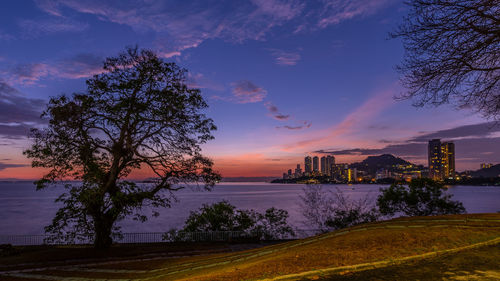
(283, 79)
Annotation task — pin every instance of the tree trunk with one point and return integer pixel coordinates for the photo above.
(102, 238)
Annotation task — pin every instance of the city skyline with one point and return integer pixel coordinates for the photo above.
(292, 78)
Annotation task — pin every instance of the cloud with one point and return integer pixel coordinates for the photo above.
(17, 112)
(200, 81)
(353, 121)
(186, 24)
(467, 131)
(15, 108)
(26, 74)
(179, 25)
(281, 117)
(78, 66)
(4, 166)
(35, 28)
(14, 131)
(336, 11)
(407, 149)
(473, 144)
(285, 58)
(245, 91)
(274, 112)
(305, 125)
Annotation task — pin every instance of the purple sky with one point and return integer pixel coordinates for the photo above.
(283, 78)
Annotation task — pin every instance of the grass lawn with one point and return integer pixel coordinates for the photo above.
(392, 246)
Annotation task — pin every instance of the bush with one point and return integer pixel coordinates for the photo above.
(222, 221)
(421, 197)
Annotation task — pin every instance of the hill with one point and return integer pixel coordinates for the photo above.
(492, 172)
(385, 161)
(429, 246)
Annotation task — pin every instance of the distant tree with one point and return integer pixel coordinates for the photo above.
(421, 197)
(220, 216)
(223, 216)
(452, 53)
(327, 211)
(139, 114)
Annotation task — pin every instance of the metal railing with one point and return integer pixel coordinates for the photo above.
(157, 237)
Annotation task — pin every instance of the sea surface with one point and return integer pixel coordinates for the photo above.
(23, 210)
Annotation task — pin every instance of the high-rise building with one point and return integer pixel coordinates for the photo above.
(434, 159)
(323, 165)
(441, 158)
(308, 165)
(329, 162)
(448, 160)
(298, 171)
(315, 164)
(289, 172)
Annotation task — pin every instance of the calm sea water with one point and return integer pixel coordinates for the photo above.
(26, 211)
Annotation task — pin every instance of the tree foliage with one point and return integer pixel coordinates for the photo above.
(452, 53)
(139, 114)
(421, 197)
(223, 216)
(327, 211)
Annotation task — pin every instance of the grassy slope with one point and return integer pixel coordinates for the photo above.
(383, 241)
(474, 264)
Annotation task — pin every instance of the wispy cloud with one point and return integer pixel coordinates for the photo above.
(79, 66)
(305, 125)
(17, 112)
(354, 120)
(245, 91)
(186, 24)
(4, 166)
(483, 130)
(285, 58)
(26, 74)
(36, 28)
(200, 81)
(274, 112)
(470, 142)
(336, 11)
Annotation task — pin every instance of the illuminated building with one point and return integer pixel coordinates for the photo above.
(351, 174)
(315, 164)
(486, 165)
(330, 161)
(434, 159)
(448, 160)
(340, 171)
(308, 165)
(323, 165)
(298, 171)
(441, 158)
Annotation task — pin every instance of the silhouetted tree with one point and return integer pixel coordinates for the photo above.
(137, 115)
(421, 197)
(223, 216)
(452, 53)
